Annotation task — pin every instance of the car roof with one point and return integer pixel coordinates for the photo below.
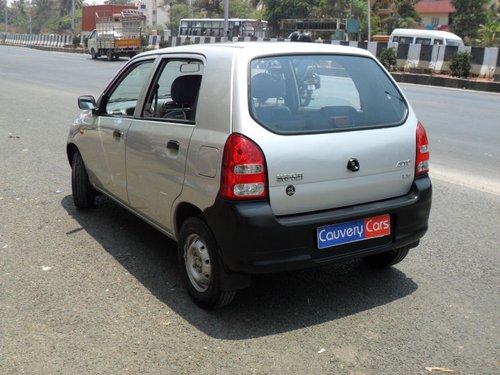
(265, 48)
(419, 32)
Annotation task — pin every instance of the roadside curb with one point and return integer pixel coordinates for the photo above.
(59, 49)
(452, 82)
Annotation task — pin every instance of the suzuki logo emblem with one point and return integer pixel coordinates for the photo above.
(290, 190)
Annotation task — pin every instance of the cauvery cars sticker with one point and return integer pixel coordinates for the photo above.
(352, 231)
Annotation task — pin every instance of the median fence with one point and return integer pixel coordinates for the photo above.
(413, 58)
(42, 40)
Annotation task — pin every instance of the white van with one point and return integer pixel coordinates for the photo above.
(426, 37)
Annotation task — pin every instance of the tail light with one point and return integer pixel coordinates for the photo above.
(422, 157)
(243, 170)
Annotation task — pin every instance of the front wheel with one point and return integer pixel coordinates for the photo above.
(83, 192)
(389, 258)
(200, 265)
(93, 54)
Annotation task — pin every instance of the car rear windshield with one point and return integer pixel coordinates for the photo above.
(323, 93)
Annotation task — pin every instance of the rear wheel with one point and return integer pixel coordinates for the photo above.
(109, 55)
(83, 192)
(200, 265)
(388, 258)
(305, 97)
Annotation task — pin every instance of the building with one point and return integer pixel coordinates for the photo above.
(157, 14)
(435, 14)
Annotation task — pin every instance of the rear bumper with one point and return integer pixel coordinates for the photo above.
(252, 240)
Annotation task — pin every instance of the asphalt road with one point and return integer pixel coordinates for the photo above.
(464, 133)
(98, 292)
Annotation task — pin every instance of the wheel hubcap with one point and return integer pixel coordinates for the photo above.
(198, 263)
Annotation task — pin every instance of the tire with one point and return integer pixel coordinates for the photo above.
(388, 258)
(93, 54)
(109, 55)
(83, 192)
(200, 265)
(305, 97)
(131, 54)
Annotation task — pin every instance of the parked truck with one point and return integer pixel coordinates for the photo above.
(117, 34)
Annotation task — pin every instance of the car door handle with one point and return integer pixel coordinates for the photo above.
(117, 134)
(173, 145)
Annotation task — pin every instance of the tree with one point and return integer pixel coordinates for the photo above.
(44, 12)
(276, 10)
(2, 15)
(489, 32)
(18, 17)
(331, 9)
(403, 15)
(210, 8)
(469, 15)
(243, 9)
(406, 9)
(178, 10)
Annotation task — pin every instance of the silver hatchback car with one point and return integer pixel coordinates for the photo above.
(257, 158)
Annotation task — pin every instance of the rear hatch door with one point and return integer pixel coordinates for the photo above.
(339, 132)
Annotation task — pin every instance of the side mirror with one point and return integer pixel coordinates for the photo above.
(87, 102)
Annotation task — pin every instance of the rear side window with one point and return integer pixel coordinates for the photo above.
(424, 41)
(323, 93)
(174, 92)
(452, 42)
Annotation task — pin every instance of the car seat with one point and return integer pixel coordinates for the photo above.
(184, 92)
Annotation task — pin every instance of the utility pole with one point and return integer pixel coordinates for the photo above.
(6, 18)
(154, 20)
(369, 20)
(226, 18)
(73, 17)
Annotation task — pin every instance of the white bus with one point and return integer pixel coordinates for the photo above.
(239, 27)
(426, 37)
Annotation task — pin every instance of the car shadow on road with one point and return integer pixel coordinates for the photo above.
(273, 304)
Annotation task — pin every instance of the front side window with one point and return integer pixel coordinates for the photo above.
(323, 93)
(123, 98)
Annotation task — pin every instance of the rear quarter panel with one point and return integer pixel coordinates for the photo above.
(213, 126)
